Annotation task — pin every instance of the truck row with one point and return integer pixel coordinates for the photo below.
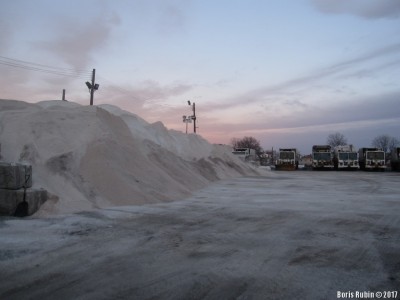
(340, 158)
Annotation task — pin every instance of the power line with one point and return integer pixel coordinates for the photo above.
(27, 63)
(43, 68)
(46, 66)
(68, 72)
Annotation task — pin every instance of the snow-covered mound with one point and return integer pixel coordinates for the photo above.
(98, 156)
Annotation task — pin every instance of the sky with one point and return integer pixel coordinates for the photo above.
(288, 73)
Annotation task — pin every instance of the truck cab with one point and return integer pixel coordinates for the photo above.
(372, 159)
(322, 158)
(287, 160)
(345, 158)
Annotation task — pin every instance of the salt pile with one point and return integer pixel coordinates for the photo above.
(98, 156)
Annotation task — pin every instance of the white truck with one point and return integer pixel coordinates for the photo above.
(345, 158)
(287, 160)
(322, 158)
(246, 154)
(372, 159)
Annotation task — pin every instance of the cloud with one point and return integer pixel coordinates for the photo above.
(76, 41)
(283, 92)
(148, 99)
(6, 33)
(372, 108)
(358, 132)
(369, 9)
(171, 18)
(294, 103)
(379, 111)
(249, 129)
(150, 91)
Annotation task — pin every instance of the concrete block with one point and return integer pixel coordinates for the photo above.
(10, 199)
(15, 175)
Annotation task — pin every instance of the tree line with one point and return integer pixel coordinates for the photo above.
(385, 142)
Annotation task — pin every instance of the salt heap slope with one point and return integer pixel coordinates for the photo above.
(99, 156)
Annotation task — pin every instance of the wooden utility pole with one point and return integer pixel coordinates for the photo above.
(92, 89)
(194, 117)
(92, 86)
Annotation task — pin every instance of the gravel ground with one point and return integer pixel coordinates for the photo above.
(286, 235)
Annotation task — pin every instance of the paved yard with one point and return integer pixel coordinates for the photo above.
(286, 235)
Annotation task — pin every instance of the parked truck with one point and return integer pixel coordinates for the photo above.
(322, 158)
(245, 154)
(287, 160)
(372, 159)
(345, 158)
(395, 159)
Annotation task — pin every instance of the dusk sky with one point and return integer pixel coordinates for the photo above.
(287, 72)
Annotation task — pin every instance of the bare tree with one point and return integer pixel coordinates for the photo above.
(385, 142)
(235, 142)
(336, 139)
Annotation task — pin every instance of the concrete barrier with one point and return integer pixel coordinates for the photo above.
(10, 200)
(15, 176)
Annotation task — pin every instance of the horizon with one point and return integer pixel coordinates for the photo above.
(287, 73)
(275, 149)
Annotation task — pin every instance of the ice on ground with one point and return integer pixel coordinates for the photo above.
(286, 235)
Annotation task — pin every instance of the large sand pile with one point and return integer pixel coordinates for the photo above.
(98, 156)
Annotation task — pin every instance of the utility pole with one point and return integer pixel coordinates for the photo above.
(92, 89)
(92, 86)
(194, 117)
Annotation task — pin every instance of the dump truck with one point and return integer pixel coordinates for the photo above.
(345, 157)
(245, 154)
(322, 158)
(395, 159)
(371, 159)
(287, 160)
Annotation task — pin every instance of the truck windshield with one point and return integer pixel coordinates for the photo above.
(347, 156)
(353, 156)
(375, 155)
(286, 155)
(322, 156)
